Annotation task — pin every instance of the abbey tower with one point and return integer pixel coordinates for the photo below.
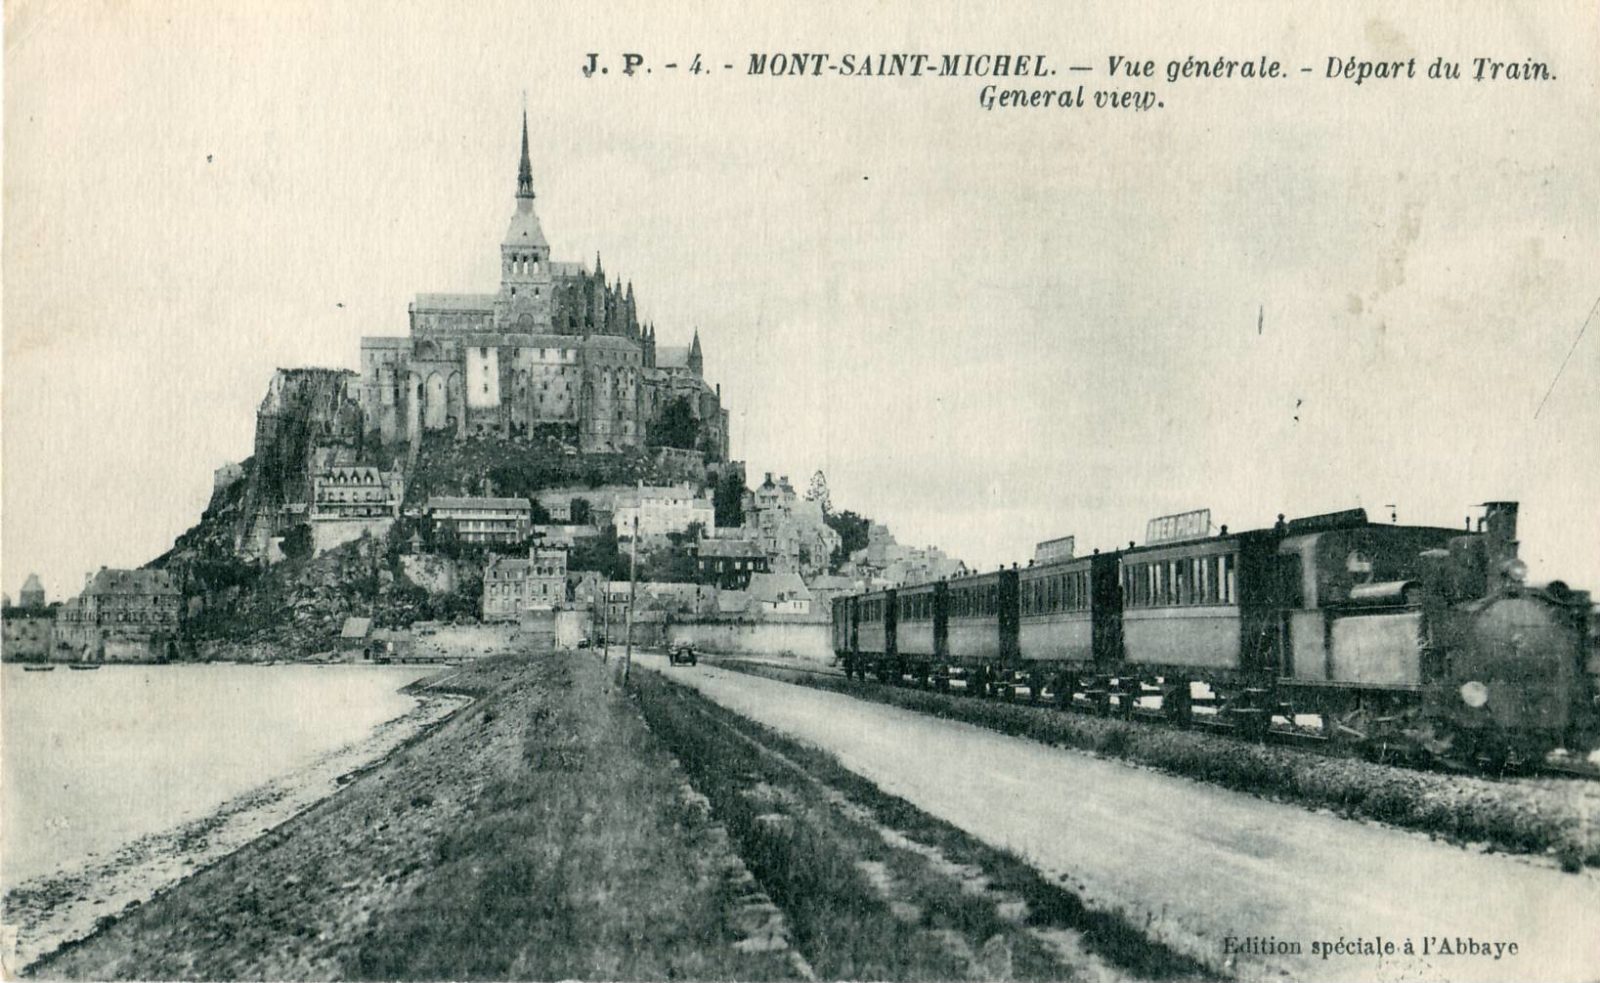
(557, 345)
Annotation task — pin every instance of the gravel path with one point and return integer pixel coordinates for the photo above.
(1204, 865)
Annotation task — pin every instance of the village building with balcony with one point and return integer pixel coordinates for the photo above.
(483, 521)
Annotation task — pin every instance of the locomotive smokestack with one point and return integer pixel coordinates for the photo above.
(1500, 526)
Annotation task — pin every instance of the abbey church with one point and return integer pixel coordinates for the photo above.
(557, 345)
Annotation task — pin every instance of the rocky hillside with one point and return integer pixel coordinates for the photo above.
(299, 606)
(515, 468)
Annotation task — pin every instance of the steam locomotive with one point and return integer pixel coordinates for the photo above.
(1416, 638)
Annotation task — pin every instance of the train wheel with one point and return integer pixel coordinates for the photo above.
(1177, 702)
(1128, 691)
(1098, 690)
(1252, 723)
(1066, 685)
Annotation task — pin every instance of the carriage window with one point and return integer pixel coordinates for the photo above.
(1226, 579)
(1207, 586)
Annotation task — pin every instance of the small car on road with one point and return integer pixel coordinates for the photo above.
(682, 655)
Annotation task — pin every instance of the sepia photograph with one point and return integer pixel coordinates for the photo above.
(800, 491)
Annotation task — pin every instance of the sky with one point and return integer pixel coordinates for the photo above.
(988, 328)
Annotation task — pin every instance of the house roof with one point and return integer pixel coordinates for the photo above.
(131, 582)
(448, 502)
(356, 628)
(832, 582)
(505, 568)
(772, 588)
(352, 473)
(739, 548)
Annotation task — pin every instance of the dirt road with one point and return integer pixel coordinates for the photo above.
(1214, 873)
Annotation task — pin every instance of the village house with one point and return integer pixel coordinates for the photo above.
(356, 492)
(779, 593)
(497, 521)
(29, 634)
(122, 615)
(728, 563)
(514, 585)
(791, 531)
(660, 511)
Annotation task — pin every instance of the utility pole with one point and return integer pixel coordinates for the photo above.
(633, 582)
(605, 619)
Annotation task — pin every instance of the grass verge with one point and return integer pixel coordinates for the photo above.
(1556, 817)
(874, 888)
(542, 833)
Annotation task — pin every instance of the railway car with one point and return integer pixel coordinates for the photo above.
(842, 615)
(919, 637)
(1070, 626)
(1383, 634)
(874, 635)
(981, 638)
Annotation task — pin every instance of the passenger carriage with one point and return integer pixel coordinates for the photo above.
(1069, 625)
(980, 613)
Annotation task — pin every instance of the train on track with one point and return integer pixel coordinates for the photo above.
(1417, 639)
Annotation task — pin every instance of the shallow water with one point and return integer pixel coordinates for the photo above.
(91, 761)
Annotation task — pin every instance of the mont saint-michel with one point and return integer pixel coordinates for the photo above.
(742, 512)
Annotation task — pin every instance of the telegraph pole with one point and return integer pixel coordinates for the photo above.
(633, 582)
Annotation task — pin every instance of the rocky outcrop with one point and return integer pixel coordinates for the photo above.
(310, 419)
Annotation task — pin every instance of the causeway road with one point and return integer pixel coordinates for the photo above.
(1243, 884)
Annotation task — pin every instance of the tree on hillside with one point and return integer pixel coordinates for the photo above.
(818, 492)
(582, 512)
(600, 555)
(728, 500)
(677, 427)
(852, 530)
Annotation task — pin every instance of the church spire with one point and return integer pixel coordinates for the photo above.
(525, 169)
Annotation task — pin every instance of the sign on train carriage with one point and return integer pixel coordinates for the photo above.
(1055, 549)
(1179, 527)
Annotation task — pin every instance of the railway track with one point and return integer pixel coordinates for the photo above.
(1283, 735)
